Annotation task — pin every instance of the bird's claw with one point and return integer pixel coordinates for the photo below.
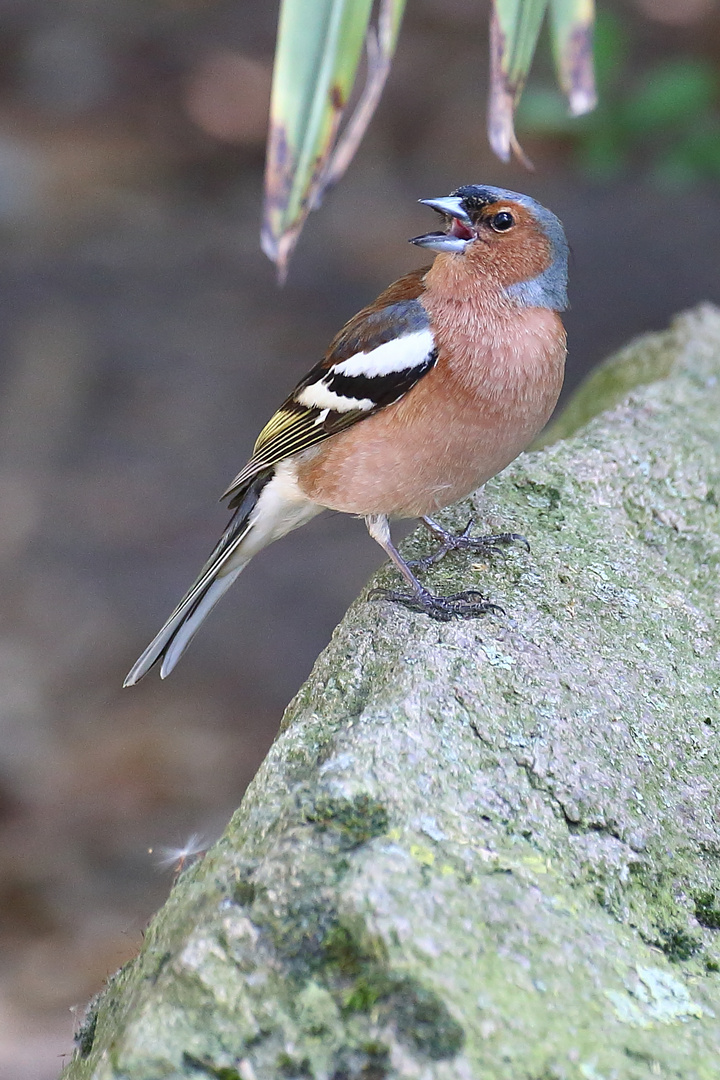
(468, 604)
(488, 545)
(510, 538)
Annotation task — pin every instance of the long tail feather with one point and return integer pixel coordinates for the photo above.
(271, 506)
(170, 643)
(191, 623)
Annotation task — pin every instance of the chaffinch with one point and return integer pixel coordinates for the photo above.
(422, 397)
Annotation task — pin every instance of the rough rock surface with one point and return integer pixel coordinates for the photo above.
(483, 850)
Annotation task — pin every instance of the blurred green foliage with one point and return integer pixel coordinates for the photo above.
(667, 117)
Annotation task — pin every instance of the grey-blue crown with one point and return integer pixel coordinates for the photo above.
(548, 289)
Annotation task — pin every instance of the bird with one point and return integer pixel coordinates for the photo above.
(422, 397)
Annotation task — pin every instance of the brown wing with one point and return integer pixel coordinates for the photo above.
(351, 382)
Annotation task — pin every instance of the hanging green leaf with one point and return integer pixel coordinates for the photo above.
(514, 29)
(571, 26)
(318, 54)
(380, 51)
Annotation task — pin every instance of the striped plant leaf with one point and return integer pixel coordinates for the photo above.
(514, 29)
(571, 27)
(318, 53)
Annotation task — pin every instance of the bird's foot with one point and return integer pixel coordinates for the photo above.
(468, 604)
(486, 545)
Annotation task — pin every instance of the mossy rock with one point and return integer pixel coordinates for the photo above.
(484, 850)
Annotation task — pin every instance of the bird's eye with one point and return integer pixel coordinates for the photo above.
(503, 221)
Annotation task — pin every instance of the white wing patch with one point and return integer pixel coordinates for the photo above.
(400, 354)
(319, 396)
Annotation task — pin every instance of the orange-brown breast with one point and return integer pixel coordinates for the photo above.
(496, 382)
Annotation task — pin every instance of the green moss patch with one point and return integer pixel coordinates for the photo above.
(353, 821)
(707, 910)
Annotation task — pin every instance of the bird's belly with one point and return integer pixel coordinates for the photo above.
(427, 450)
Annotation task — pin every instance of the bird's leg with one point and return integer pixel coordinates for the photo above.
(464, 605)
(488, 545)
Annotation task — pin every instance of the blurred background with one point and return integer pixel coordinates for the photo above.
(144, 342)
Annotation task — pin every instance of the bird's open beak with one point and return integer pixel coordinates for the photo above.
(460, 233)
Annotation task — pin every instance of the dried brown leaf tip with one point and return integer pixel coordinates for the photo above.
(572, 32)
(514, 29)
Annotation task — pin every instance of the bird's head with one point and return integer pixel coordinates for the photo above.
(507, 235)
